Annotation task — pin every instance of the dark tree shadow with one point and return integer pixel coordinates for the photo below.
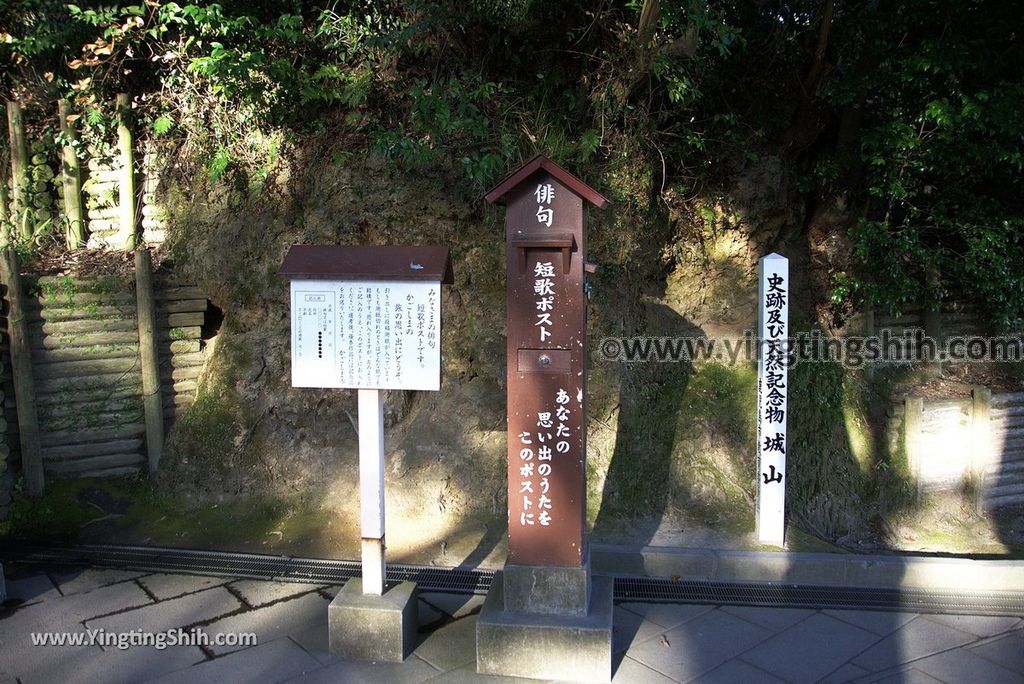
(1002, 495)
(638, 483)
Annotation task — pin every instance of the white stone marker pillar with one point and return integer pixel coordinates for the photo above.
(772, 397)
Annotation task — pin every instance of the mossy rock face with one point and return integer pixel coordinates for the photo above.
(209, 427)
(670, 441)
(447, 449)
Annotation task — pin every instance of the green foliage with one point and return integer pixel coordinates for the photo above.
(910, 112)
(441, 112)
(219, 164)
(942, 157)
(162, 125)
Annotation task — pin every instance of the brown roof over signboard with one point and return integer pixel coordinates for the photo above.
(496, 195)
(368, 262)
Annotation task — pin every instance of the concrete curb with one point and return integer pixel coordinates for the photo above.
(827, 569)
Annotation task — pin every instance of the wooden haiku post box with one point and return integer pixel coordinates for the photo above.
(547, 573)
(368, 318)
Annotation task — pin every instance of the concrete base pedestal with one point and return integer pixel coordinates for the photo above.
(547, 590)
(378, 628)
(565, 647)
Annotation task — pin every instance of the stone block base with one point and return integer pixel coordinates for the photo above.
(547, 590)
(570, 648)
(378, 628)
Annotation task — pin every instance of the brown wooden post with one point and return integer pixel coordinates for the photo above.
(548, 571)
(545, 246)
(126, 178)
(5, 213)
(71, 176)
(149, 358)
(19, 164)
(21, 367)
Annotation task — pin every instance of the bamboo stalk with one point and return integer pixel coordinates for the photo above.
(25, 391)
(149, 357)
(5, 213)
(19, 164)
(126, 181)
(72, 178)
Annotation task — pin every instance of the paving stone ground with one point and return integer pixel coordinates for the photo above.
(654, 643)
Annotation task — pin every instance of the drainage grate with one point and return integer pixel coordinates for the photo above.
(465, 581)
(249, 566)
(770, 594)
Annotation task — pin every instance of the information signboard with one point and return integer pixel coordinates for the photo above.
(366, 334)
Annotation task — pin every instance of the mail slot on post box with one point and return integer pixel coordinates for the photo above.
(366, 317)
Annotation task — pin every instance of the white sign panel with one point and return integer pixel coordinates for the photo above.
(366, 334)
(772, 398)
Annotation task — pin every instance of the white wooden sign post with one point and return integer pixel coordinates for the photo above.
(772, 397)
(369, 319)
(371, 489)
(368, 335)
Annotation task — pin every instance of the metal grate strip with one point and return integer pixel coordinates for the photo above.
(463, 580)
(768, 594)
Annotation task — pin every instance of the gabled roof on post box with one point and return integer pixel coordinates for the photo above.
(496, 195)
(368, 262)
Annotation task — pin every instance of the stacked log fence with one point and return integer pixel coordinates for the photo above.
(85, 377)
(86, 369)
(105, 200)
(1004, 474)
(971, 444)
